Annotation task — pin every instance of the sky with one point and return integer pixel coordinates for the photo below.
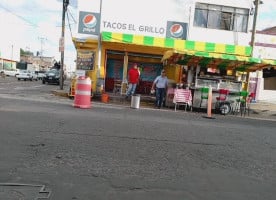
(35, 25)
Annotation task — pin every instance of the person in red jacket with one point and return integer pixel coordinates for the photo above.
(133, 79)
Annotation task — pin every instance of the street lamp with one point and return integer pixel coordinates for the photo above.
(64, 9)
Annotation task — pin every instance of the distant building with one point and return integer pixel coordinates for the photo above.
(7, 64)
(265, 43)
(265, 48)
(41, 63)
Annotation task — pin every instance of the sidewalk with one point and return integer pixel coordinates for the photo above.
(262, 109)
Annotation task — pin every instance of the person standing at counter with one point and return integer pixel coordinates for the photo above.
(160, 84)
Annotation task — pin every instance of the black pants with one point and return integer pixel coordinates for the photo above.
(160, 94)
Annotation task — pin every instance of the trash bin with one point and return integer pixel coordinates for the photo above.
(135, 101)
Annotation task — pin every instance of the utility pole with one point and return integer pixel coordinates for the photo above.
(99, 54)
(64, 9)
(252, 43)
(42, 39)
(11, 56)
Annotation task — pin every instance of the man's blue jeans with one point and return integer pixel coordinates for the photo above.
(131, 89)
(160, 94)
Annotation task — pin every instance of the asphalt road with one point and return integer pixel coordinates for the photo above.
(49, 149)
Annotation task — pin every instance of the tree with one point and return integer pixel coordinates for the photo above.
(25, 53)
(57, 65)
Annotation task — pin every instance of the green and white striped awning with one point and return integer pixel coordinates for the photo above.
(176, 44)
(196, 52)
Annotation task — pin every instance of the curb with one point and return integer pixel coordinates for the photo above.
(257, 112)
(60, 93)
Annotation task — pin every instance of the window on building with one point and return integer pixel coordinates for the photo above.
(221, 17)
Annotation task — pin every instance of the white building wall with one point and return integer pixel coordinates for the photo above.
(265, 52)
(265, 47)
(265, 95)
(154, 14)
(124, 16)
(219, 36)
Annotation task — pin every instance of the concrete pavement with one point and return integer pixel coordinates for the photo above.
(261, 109)
(264, 109)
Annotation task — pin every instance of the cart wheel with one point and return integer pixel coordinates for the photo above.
(225, 108)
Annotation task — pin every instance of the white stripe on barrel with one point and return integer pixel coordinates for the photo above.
(83, 93)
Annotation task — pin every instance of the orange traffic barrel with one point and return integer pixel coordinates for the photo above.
(83, 93)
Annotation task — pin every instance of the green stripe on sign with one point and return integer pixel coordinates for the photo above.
(107, 36)
(210, 47)
(169, 42)
(128, 38)
(255, 60)
(148, 40)
(248, 51)
(230, 49)
(230, 57)
(190, 45)
(201, 53)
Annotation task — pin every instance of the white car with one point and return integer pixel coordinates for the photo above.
(40, 74)
(13, 72)
(26, 75)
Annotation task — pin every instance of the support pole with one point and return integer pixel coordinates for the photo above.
(256, 2)
(209, 104)
(124, 80)
(99, 82)
(64, 8)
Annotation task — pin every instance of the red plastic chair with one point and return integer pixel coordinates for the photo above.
(249, 99)
(223, 94)
(221, 101)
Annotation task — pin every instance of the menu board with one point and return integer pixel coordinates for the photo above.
(85, 60)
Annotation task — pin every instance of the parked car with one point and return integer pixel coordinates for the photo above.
(12, 72)
(51, 76)
(40, 74)
(34, 75)
(26, 75)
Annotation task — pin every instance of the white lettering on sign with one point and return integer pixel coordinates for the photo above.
(115, 25)
(133, 27)
(151, 29)
(90, 30)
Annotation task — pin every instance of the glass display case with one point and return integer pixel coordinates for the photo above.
(206, 82)
(218, 83)
(234, 86)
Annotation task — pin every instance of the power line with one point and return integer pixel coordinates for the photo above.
(75, 21)
(68, 19)
(69, 25)
(18, 16)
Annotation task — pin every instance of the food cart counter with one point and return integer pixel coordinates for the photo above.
(215, 83)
